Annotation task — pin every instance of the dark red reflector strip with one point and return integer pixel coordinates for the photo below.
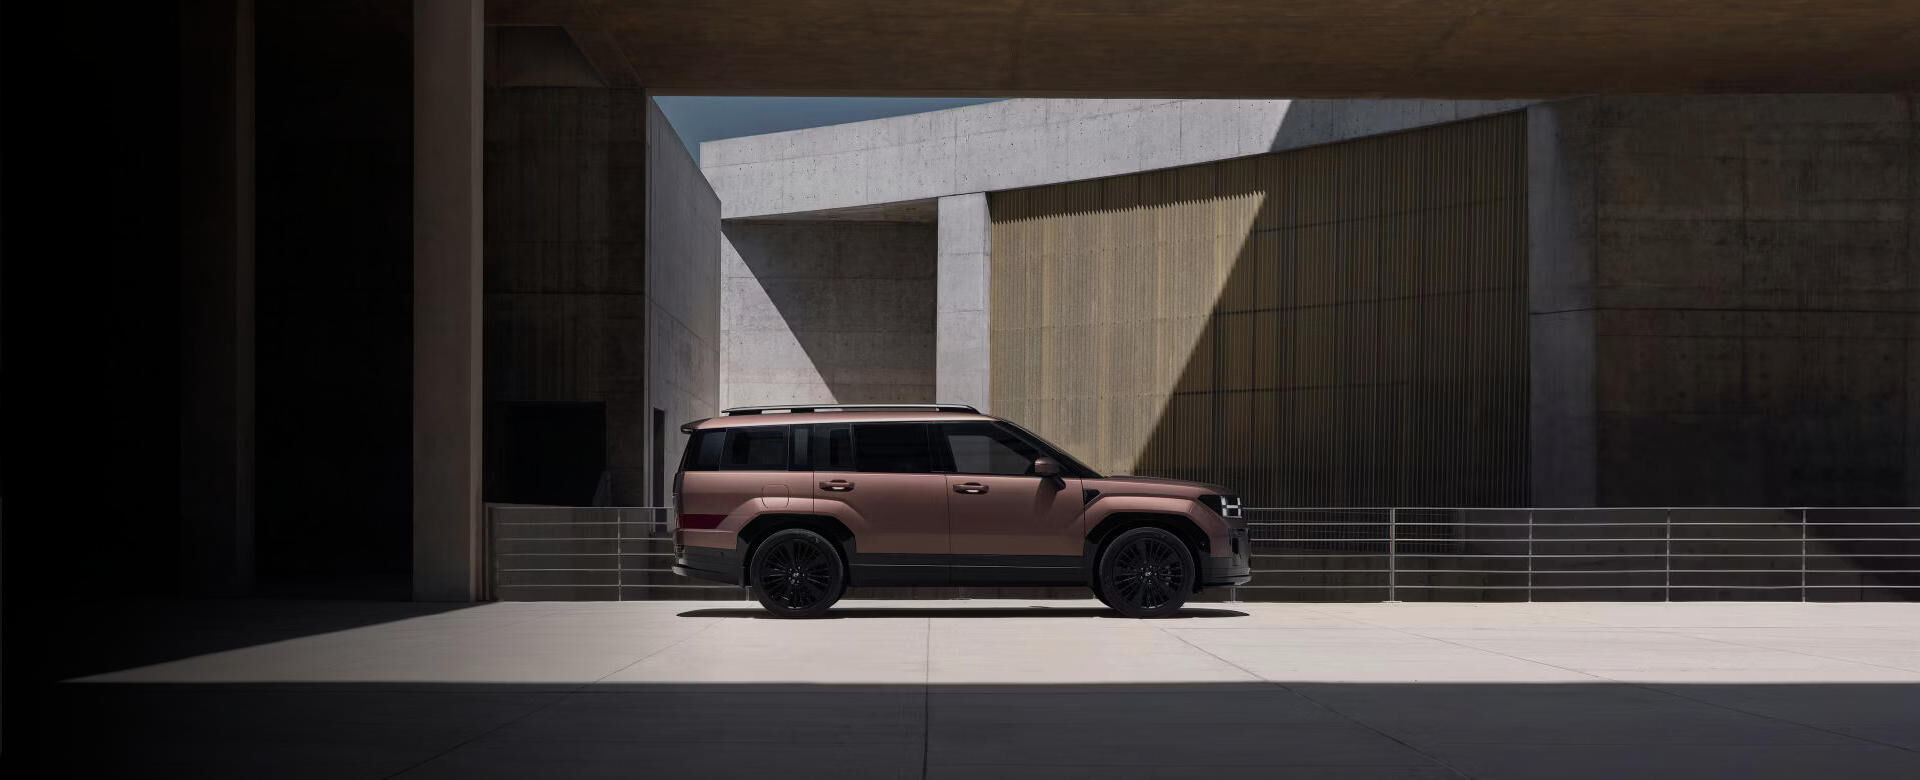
(701, 521)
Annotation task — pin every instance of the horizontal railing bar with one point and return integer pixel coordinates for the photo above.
(1796, 539)
(1570, 508)
(1644, 587)
(1579, 555)
(549, 508)
(607, 570)
(1325, 571)
(1568, 587)
(610, 585)
(1523, 524)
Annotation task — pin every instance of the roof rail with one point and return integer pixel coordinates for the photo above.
(796, 408)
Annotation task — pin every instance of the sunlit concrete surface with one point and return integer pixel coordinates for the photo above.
(1026, 689)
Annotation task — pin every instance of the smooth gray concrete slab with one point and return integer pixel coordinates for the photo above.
(1033, 689)
(1028, 142)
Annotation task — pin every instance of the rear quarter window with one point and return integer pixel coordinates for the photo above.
(760, 448)
(703, 451)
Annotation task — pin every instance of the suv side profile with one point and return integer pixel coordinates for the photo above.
(801, 502)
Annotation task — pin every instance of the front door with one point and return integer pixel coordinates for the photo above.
(1007, 523)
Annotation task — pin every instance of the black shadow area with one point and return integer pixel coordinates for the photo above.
(1287, 729)
(95, 637)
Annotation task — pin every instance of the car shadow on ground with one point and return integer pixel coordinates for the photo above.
(963, 612)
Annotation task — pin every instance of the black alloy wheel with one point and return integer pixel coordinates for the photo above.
(1145, 573)
(797, 573)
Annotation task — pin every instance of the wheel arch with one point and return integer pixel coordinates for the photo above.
(1113, 525)
(763, 526)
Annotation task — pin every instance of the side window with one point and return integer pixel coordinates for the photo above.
(985, 448)
(755, 449)
(703, 451)
(895, 448)
(832, 447)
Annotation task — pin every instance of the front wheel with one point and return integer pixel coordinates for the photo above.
(797, 573)
(1145, 573)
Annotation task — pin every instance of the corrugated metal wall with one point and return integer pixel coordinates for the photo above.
(1342, 325)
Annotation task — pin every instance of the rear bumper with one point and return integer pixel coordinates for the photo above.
(707, 563)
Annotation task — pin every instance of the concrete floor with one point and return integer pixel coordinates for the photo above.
(1024, 689)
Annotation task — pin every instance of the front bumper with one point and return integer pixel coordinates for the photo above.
(1225, 570)
(1234, 568)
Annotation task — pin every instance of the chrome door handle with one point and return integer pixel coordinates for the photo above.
(970, 487)
(839, 485)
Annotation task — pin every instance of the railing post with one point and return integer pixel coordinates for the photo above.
(619, 553)
(1529, 556)
(1803, 554)
(1393, 554)
(1666, 557)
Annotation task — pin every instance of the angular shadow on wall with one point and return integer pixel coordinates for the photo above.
(844, 309)
(1342, 325)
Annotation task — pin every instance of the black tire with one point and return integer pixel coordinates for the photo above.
(797, 573)
(1145, 573)
(1101, 593)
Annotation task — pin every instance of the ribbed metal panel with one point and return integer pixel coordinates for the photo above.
(1343, 325)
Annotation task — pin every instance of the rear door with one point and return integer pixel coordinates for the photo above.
(879, 479)
(1001, 515)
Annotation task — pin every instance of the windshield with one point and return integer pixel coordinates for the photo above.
(1066, 461)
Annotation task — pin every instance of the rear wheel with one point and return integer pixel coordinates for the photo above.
(1145, 573)
(797, 573)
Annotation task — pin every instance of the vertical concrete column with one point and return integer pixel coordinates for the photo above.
(962, 354)
(1560, 316)
(217, 296)
(448, 40)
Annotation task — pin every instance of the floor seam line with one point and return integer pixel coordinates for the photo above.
(1802, 653)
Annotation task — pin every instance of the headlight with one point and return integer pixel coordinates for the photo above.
(1224, 506)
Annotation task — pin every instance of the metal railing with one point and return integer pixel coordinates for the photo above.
(1642, 553)
(1358, 554)
(550, 553)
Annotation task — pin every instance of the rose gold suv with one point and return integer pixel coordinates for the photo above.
(801, 502)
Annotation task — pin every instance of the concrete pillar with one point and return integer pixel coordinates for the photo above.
(1560, 313)
(962, 347)
(448, 40)
(217, 296)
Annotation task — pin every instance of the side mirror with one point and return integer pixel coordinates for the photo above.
(1048, 469)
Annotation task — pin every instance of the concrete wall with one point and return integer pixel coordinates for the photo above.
(1560, 245)
(962, 363)
(566, 310)
(603, 280)
(1753, 281)
(683, 291)
(817, 311)
(1024, 143)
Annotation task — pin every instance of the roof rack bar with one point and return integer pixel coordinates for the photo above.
(795, 408)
